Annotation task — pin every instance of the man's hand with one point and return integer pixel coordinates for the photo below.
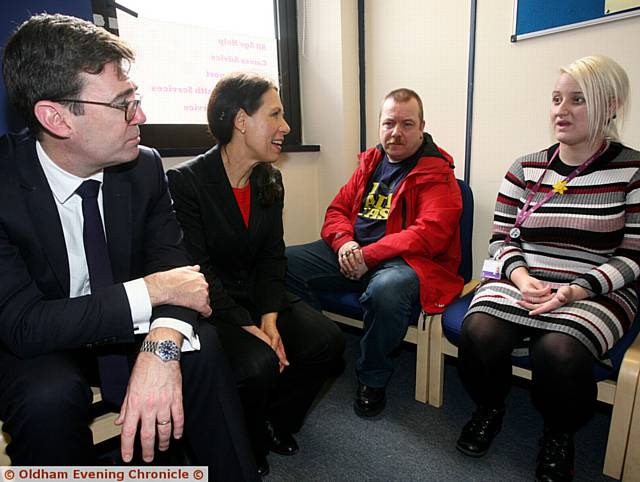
(184, 286)
(153, 400)
(564, 295)
(351, 261)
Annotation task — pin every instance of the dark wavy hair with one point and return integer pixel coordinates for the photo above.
(235, 91)
(44, 57)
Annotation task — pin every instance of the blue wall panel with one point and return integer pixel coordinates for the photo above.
(536, 15)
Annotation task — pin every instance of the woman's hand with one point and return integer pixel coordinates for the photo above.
(564, 295)
(532, 289)
(258, 333)
(268, 326)
(269, 339)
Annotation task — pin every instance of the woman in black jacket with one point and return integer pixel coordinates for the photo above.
(229, 202)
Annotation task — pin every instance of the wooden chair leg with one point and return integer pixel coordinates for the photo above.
(631, 467)
(422, 357)
(436, 362)
(623, 411)
(4, 440)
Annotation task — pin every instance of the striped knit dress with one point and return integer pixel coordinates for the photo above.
(589, 236)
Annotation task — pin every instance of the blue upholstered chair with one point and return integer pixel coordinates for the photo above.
(618, 385)
(344, 306)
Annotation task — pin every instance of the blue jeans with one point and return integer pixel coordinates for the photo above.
(389, 294)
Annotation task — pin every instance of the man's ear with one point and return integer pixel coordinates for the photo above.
(53, 117)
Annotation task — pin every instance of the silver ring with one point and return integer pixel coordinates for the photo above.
(166, 422)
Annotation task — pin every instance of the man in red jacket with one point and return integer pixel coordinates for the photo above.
(391, 234)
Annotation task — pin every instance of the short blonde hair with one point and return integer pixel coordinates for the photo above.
(605, 86)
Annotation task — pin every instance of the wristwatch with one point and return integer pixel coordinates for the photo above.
(166, 350)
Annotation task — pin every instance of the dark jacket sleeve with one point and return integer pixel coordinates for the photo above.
(33, 323)
(185, 193)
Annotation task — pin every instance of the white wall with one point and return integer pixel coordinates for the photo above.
(328, 43)
(513, 86)
(422, 45)
(328, 31)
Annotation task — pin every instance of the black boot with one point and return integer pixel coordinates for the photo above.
(279, 441)
(262, 464)
(555, 460)
(369, 401)
(479, 432)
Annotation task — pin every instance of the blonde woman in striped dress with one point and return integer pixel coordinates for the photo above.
(567, 239)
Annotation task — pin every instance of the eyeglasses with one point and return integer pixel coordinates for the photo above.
(129, 107)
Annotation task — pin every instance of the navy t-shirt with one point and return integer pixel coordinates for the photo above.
(371, 222)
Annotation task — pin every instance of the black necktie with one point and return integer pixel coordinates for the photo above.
(114, 369)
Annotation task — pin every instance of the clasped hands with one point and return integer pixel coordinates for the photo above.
(153, 402)
(268, 332)
(351, 261)
(537, 296)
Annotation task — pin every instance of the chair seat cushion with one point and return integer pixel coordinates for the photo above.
(452, 324)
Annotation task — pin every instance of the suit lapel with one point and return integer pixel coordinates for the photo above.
(44, 213)
(219, 187)
(116, 205)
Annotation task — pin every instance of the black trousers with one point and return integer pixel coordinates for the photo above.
(314, 346)
(45, 400)
(563, 387)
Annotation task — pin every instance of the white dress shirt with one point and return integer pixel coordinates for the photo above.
(63, 186)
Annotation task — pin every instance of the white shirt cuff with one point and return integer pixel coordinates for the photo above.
(140, 306)
(191, 342)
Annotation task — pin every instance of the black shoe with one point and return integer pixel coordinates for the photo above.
(279, 442)
(370, 401)
(479, 432)
(263, 465)
(555, 460)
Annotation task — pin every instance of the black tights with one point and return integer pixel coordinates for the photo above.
(564, 389)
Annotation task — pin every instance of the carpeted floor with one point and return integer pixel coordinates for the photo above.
(411, 441)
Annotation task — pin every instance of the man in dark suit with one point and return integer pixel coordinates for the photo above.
(67, 297)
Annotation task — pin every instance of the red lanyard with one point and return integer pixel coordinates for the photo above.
(527, 210)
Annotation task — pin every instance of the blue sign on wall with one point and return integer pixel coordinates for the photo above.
(533, 18)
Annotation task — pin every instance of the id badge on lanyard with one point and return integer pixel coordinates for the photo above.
(491, 269)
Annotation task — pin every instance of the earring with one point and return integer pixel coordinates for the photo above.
(243, 131)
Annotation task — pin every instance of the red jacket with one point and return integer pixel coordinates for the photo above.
(428, 238)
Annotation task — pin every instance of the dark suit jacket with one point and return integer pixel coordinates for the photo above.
(245, 268)
(36, 314)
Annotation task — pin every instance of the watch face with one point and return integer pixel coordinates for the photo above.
(168, 350)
